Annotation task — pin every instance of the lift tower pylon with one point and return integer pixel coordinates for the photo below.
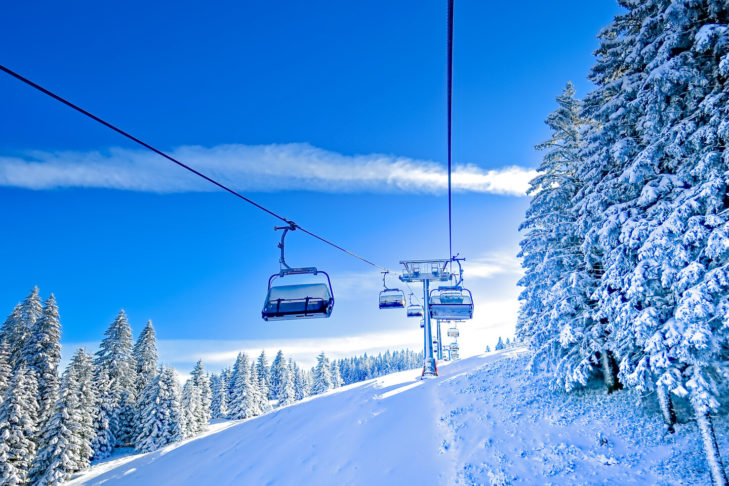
(425, 271)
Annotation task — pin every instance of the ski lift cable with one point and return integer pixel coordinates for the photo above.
(181, 164)
(449, 89)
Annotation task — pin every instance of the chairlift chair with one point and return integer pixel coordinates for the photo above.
(453, 332)
(391, 298)
(451, 303)
(414, 310)
(297, 301)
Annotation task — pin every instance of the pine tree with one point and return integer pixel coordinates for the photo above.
(20, 326)
(287, 392)
(13, 334)
(160, 402)
(202, 381)
(301, 384)
(191, 406)
(66, 437)
(145, 366)
(278, 372)
(555, 302)
(18, 427)
(116, 380)
(219, 388)
(264, 375)
(499, 345)
(30, 311)
(337, 377)
(245, 399)
(322, 379)
(5, 371)
(105, 413)
(43, 356)
(145, 357)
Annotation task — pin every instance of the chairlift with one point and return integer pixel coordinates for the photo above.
(297, 301)
(414, 310)
(391, 298)
(453, 302)
(453, 332)
(447, 303)
(422, 323)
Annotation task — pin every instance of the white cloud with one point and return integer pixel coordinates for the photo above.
(273, 167)
(491, 265)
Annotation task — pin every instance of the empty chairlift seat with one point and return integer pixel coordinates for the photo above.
(415, 310)
(301, 301)
(453, 332)
(392, 299)
(451, 303)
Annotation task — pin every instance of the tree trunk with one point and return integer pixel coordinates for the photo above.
(669, 413)
(609, 372)
(711, 448)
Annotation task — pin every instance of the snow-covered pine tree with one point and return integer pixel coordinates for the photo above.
(554, 301)
(301, 384)
(202, 381)
(6, 372)
(43, 356)
(260, 397)
(191, 406)
(18, 427)
(322, 376)
(13, 333)
(116, 379)
(337, 376)
(145, 366)
(246, 396)
(105, 413)
(488, 348)
(287, 391)
(19, 327)
(160, 401)
(499, 345)
(145, 357)
(264, 375)
(219, 388)
(278, 372)
(653, 210)
(66, 437)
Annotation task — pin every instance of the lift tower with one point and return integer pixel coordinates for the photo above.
(424, 271)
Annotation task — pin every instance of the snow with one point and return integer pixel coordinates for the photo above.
(291, 292)
(484, 420)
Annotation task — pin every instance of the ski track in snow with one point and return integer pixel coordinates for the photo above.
(483, 421)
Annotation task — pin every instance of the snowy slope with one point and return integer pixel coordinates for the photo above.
(483, 421)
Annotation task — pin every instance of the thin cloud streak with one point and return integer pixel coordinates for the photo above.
(259, 168)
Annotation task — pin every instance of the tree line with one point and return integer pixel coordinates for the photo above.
(626, 239)
(53, 426)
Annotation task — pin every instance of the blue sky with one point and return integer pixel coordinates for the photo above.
(331, 113)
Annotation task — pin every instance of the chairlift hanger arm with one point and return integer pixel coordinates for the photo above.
(291, 227)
